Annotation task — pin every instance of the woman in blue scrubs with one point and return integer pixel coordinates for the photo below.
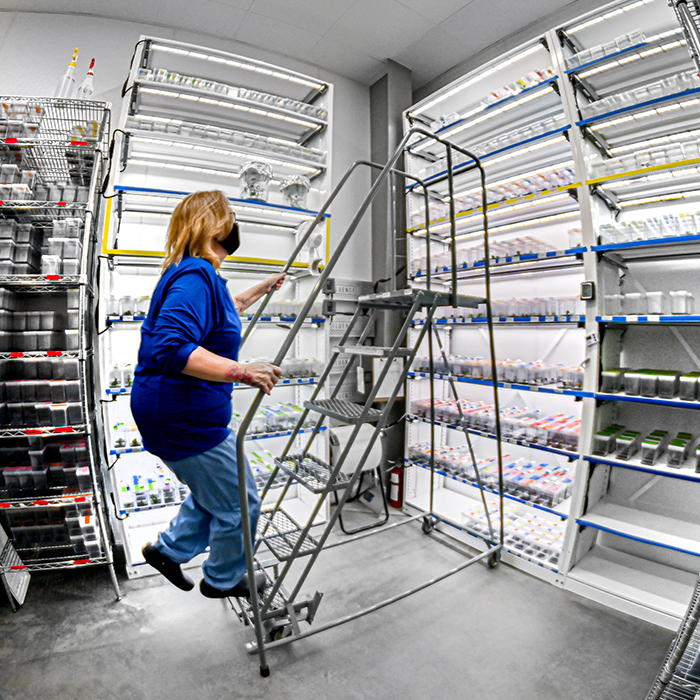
(181, 395)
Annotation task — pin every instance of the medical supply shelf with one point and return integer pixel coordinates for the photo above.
(507, 261)
(480, 433)
(544, 388)
(640, 105)
(62, 164)
(623, 537)
(191, 117)
(640, 576)
(457, 169)
(560, 511)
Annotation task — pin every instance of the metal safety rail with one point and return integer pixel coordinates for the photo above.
(679, 678)
(276, 613)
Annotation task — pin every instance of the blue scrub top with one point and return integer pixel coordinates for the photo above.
(177, 415)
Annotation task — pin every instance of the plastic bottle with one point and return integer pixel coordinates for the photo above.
(86, 88)
(66, 86)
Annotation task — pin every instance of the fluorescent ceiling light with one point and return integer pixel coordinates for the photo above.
(257, 68)
(661, 141)
(491, 113)
(629, 58)
(476, 79)
(230, 105)
(643, 115)
(608, 15)
(251, 208)
(221, 151)
(690, 194)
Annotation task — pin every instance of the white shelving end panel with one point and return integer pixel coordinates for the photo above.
(648, 590)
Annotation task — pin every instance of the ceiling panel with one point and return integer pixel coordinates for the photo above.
(276, 36)
(202, 16)
(436, 10)
(475, 24)
(338, 58)
(433, 54)
(379, 28)
(314, 15)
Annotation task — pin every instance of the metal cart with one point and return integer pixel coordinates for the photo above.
(276, 614)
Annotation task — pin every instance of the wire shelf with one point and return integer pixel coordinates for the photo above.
(44, 498)
(58, 117)
(53, 161)
(43, 431)
(41, 213)
(40, 283)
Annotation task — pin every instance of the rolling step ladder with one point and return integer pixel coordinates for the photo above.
(276, 613)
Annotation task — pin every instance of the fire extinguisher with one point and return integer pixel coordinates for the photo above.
(396, 487)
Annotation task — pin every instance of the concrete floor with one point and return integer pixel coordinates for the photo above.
(497, 634)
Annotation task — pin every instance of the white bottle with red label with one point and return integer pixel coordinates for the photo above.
(86, 88)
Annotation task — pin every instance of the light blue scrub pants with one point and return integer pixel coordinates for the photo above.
(210, 516)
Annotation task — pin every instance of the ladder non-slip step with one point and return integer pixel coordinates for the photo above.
(346, 411)
(372, 351)
(405, 298)
(311, 472)
(280, 533)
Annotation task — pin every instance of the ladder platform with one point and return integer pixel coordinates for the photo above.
(280, 533)
(372, 351)
(345, 411)
(405, 298)
(311, 472)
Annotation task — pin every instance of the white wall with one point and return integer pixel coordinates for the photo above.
(35, 49)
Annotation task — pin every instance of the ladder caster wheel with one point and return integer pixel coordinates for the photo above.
(428, 525)
(264, 671)
(493, 561)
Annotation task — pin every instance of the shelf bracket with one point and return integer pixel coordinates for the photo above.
(568, 41)
(125, 155)
(615, 259)
(597, 141)
(133, 102)
(609, 200)
(146, 54)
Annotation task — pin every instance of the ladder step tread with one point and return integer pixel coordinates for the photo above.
(311, 472)
(405, 298)
(280, 533)
(372, 350)
(342, 410)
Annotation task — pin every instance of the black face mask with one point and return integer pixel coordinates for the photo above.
(233, 241)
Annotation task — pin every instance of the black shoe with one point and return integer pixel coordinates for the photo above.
(240, 590)
(166, 566)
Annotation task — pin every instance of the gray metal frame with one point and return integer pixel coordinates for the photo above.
(277, 612)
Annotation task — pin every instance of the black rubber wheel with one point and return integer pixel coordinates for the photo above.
(264, 671)
(428, 525)
(493, 561)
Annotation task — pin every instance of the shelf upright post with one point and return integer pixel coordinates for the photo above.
(592, 350)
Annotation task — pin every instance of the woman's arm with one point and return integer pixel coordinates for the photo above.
(214, 368)
(243, 300)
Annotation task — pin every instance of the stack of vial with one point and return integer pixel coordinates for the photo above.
(678, 302)
(275, 418)
(512, 371)
(532, 535)
(288, 308)
(671, 85)
(517, 423)
(127, 306)
(652, 228)
(125, 435)
(145, 491)
(121, 376)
